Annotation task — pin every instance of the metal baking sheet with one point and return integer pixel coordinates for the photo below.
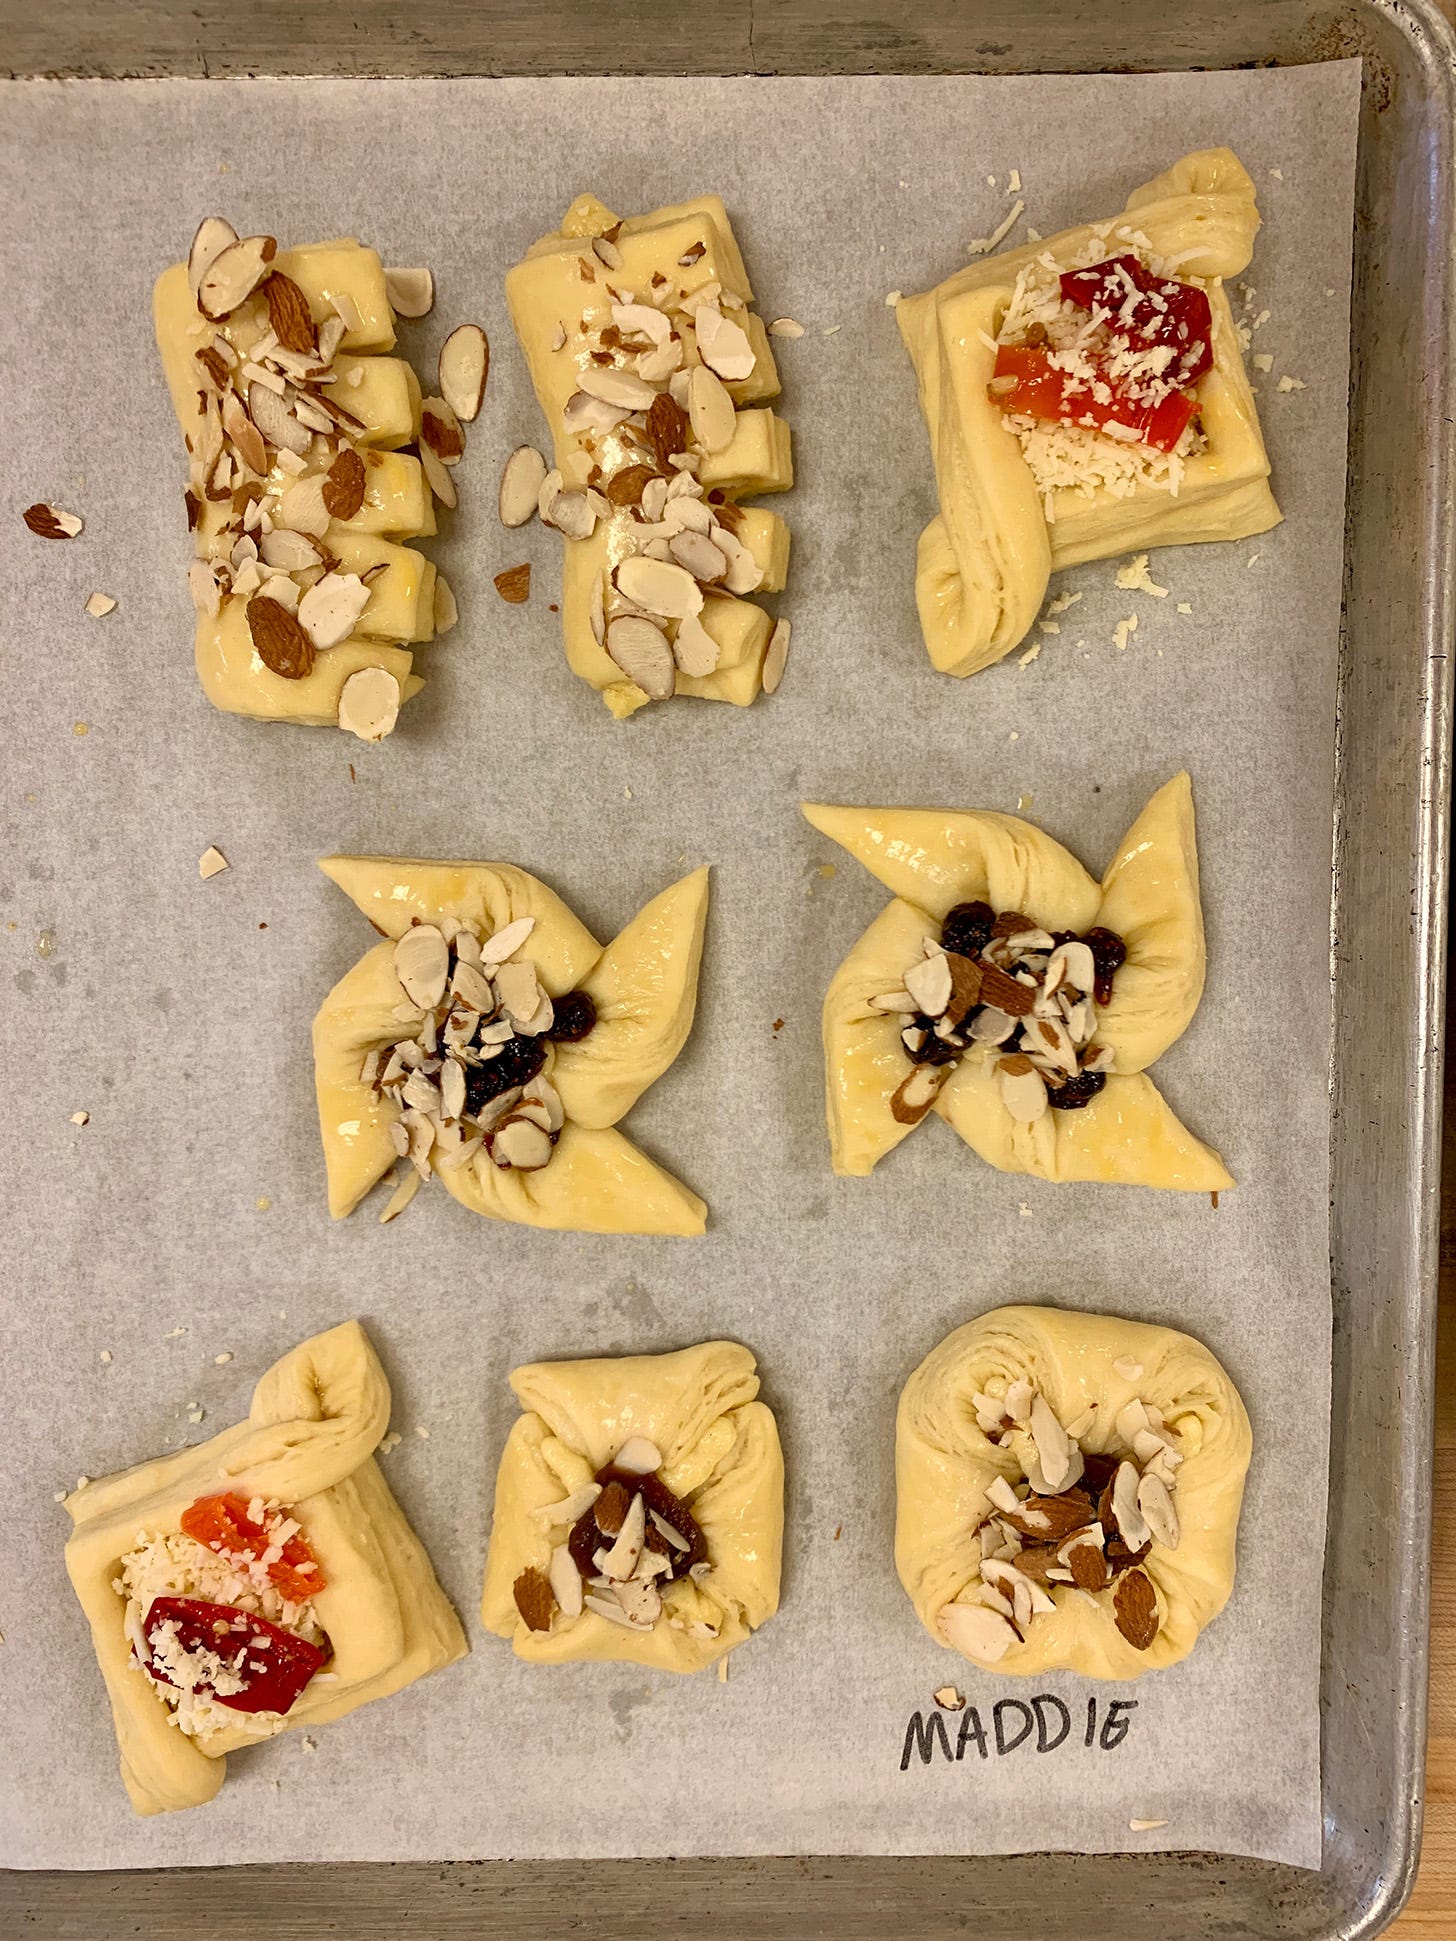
(1393, 695)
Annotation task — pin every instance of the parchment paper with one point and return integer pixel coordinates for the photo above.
(186, 1222)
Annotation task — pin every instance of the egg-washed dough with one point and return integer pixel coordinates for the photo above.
(397, 506)
(985, 558)
(944, 1465)
(546, 292)
(721, 1455)
(317, 1416)
(933, 859)
(644, 985)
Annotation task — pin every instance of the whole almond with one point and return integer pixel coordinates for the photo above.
(1135, 1607)
(535, 1599)
(289, 314)
(514, 584)
(344, 485)
(281, 643)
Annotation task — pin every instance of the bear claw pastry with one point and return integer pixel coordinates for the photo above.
(1007, 991)
(301, 491)
(491, 1043)
(259, 1582)
(1022, 362)
(639, 1510)
(654, 375)
(1068, 1489)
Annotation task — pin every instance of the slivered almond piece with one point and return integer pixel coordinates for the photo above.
(464, 367)
(49, 522)
(535, 1599)
(640, 649)
(212, 238)
(278, 639)
(621, 1559)
(246, 437)
(930, 984)
(1132, 1527)
(514, 584)
(438, 475)
(211, 863)
(289, 314)
(917, 1092)
(520, 486)
(233, 275)
(343, 487)
(505, 942)
(422, 964)
(446, 611)
(785, 327)
(722, 344)
(520, 1144)
(565, 1580)
(776, 657)
(411, 293)
(369, 703)
(440, 430)
(1156, 1505)
(99, 605)
(618, 388)
(1053, 1449)
(1135, 1607)
(710, 410)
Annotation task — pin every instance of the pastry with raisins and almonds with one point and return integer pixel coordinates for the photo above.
(491, 1042)
(258, 1583)
(1085, 396)
(639, 1510)
(302, 489)
(654, 374)
(1022, 1001)
(1068, 1490)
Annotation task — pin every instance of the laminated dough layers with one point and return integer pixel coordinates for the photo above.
(721, 1456)
(1089, 1367)
(933, 859)
(563, 294)
(381, 396)
(643, 985)
(317, 1416)
(985, 559)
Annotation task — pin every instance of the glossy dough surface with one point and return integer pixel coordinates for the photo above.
(933, 859)
(944, 1465)
(985, 558)
(316, 1419)
(721, 1454)
(644, 985)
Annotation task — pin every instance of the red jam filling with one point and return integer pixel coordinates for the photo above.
(276, 1664)
(224, 1524)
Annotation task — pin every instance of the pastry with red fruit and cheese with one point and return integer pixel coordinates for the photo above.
(1085, 396)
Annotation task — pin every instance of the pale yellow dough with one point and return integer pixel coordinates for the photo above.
(644, 985)
(933, 859)
(546, 293)
(986, 557)
(398, 505)
(944, 1465)
(721, 1455)
(316, 1419)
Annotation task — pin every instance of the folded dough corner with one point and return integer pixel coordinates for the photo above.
(1018, 504)
(308, 1443)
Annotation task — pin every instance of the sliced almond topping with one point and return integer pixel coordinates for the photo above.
(212, 238)
(723, 345)
(1053, 1448)
(505, 942)
(710, 410)
(1023, 1090)
(660, 587)
(917, 1092)
(641, 650)
(212, 863)
(535, 1599)
(288, 551)
(369, 703)
(278, 639)
(233, 275)
(785, 327)
(289, 314)
(276, 422)
(440, 429)
(776, 657)
(99, 605)
(49, 522)
(1155, 1503)
(642, 320)
(1007, 993)
(520, 486)
(1131, 1525)
(514, 584)
(976, 1632)
(411, 293)
(697, 554)
(330, 607)
(667, 430)
(1130, 1370)
(571, 513)
(464, 366)
(1135, 1608)
(638, 1456)
(520, 1144)
(610, 1510)
(565, 1580)
(446, 611)
(343, 486)
(422, 964)
(438, 475)
(245, 435)
(929, 982)
(621, 1559)
(694, 648)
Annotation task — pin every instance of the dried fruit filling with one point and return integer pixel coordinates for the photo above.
(628, 1538)
(1076, 1522)
(470, 1069)
(220, 1615)
(1028, 996)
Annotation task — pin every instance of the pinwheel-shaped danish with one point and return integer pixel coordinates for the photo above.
(1068, 1491)
(654, 376)
(258, 1582)
(300, 488)
(1022, 1001)
(1085, 396)
(639, 1510)
(491, 1042)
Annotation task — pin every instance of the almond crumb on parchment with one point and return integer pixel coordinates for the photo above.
(80, 1118)
(212, 862)
(221, 1361)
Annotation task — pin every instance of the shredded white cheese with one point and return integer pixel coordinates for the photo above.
(1135, 578)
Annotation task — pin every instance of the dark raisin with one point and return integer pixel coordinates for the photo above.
(934, 1051)
(1074, 1093)
(1109, 953)
(1064, 937)
(967, 928)
(517, 1060)
(575, 1016)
